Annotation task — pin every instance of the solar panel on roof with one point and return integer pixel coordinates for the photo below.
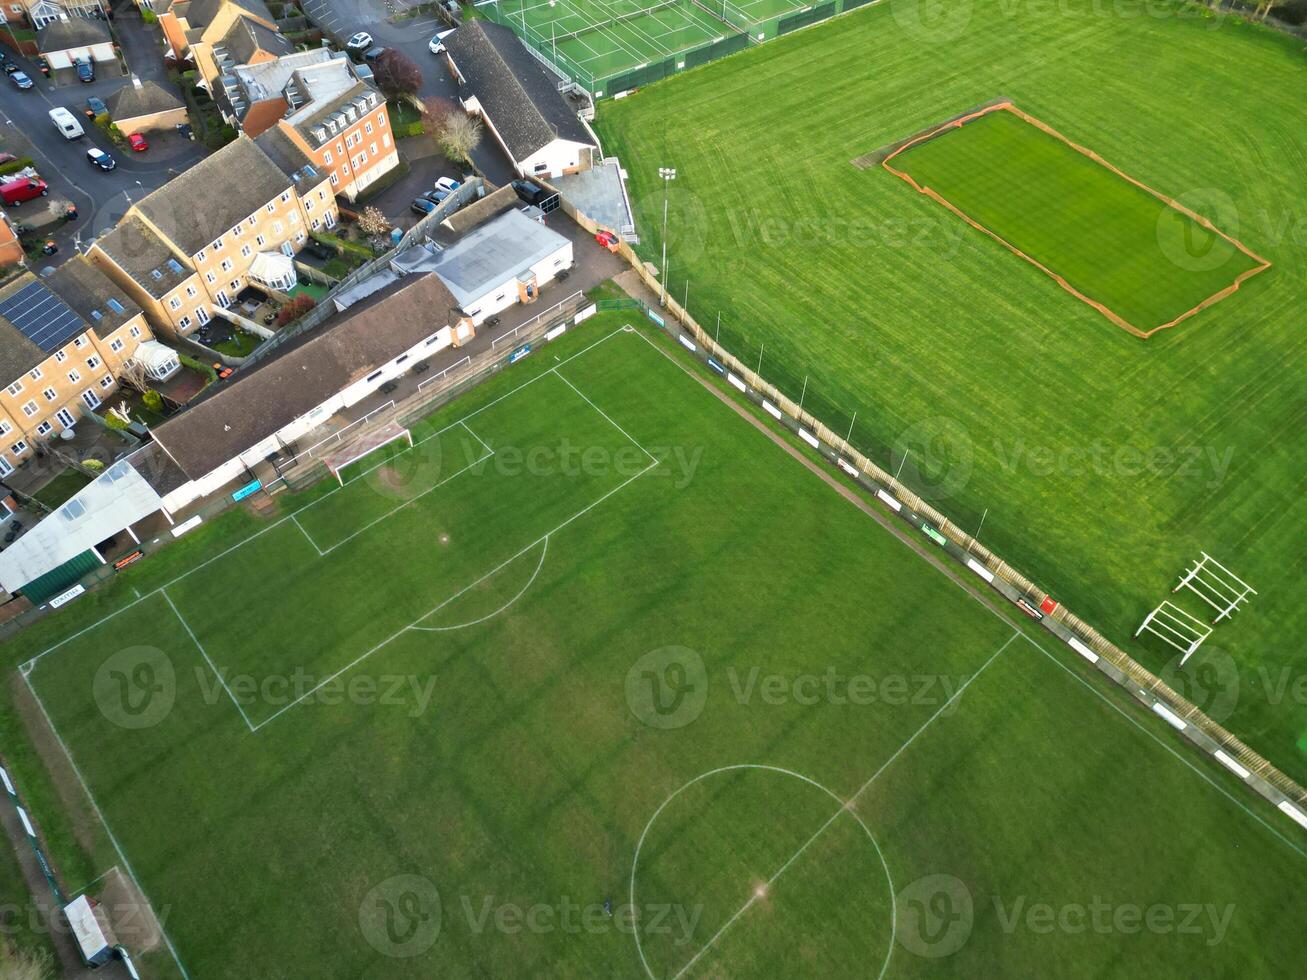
(41, 316)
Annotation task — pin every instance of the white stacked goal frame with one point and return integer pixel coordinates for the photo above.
(1176, 627)
(1216, 585)
(365, 446)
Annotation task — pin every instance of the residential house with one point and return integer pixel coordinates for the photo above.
(217, 35)
(69, 39)
(317, 99)
(185, 251)
(140, 107)
(63, 343)
(11, 249)
(38, 13)
(503, 83)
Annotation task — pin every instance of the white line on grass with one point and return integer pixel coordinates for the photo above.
(985, 605)
(295, 519)
(601, 412)
(203, 653)
(477, 622)
(845, 807)
(404, 629)
(104, 823)
(484, 445)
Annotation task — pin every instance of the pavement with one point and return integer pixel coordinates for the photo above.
(101, 198)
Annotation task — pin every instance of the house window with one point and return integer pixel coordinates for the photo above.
(5, 467)
(261, 240)
(199, 256)
(246, 251)
(235, 285)
(211, 278)
(18, 448)
(107, 381)
(29, 409)
(184, 323)
(15, 389)
(135, 332)
(4, 427)
(65, 418)
(316, 223)
(271, 207)
(277, 228)
(90, 399)
(92, 363)
(285, 196)
(43, 428)
(79, 343)
(326, 158)
(367, 127)
(74, 376)
(35, 374)
(308, 205)
(190, 292)
(334, 180)
(226, 265)
(175, 303)
(217, 245)
(50, 394)
(60, 357)
(116, 345)
(385, 139)
(202, 314)
(250, 220)
(237, 231)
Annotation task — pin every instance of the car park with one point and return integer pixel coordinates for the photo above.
(447, 184)
(21, 79)
(66, 123)
(85, 70)
(16, 192)
(98, 158)
(437, 44)
(137, 142)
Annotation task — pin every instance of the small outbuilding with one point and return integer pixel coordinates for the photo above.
(62, 42)
(140, 106)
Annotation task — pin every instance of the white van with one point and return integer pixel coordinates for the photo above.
(66, 123)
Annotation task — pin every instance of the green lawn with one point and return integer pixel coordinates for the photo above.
(1113, 242)
(63, 486)
(1101, 464)
(596, 638)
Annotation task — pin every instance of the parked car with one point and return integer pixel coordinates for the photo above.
(21, 79)
(85, 70)
(607, 239)
(98, 158)
(66, 123)
(452, 10)
(437, 44)
(16, 192)
(359, 43)
(95, 107)
(447, 184)
(184, 129)
(10, 66)
(436, 197)
(371, 55)
(137, 142)
(421, 205)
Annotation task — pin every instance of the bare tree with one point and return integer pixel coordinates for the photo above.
(459, 136)
(132, 374)
(372, 221)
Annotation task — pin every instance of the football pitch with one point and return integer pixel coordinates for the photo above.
(1098, 463)
(1105, 239)
(598, 679)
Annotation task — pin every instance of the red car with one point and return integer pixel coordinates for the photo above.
(608, 240)
(137, 142)
(23, 189)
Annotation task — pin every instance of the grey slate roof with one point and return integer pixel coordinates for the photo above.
(140, 252)
(254, 405)
(494, 253)
(516, 93)
(19, 353)
(245, 37)
(470, 215)
(130, 101)
(201, 12)
(75, 32)
(288, 155)
(211, 197)
(87, 291)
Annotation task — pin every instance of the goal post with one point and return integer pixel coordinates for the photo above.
(364, 446)
(1216, 585)
(1176, 627)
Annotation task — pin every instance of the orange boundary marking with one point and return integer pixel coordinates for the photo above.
(1263, 264)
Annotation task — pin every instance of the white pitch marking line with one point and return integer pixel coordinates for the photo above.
(477, 622)
(403, 629)
(296, 520)
(484, 445)
(604, 414)
(851, 800)
(204, 653)
(103, 822)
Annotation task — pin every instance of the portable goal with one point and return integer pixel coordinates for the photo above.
(1176, 627)
(1216, 585)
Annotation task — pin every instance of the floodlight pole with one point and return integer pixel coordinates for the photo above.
(668, 174)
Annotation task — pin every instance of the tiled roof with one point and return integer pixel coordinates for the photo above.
(141, 253)
(75, 32)
(88, 291)
(145, 99)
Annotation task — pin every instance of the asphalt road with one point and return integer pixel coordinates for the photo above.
(342, 18)
(101, 198)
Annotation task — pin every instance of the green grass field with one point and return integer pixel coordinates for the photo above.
(1112, 241)
(1100, 463)
(597, 638)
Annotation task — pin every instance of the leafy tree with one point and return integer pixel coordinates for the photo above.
(396, 73)
(457, 133)
(296, 308)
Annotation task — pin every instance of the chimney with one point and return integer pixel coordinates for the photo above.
(136, 81)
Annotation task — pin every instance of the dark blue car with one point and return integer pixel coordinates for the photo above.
(85, 71)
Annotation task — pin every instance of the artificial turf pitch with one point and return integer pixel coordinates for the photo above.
(660, 657)
(1100, 464)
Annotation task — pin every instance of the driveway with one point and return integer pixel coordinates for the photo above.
(101, 198)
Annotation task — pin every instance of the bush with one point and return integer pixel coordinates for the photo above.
(152, 400)
(149, 16)
(397, 74)
(295, 309)
(13, 166)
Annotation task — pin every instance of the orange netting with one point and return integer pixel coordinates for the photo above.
(1120, 321)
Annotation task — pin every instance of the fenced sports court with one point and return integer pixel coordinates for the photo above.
(612, 46)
